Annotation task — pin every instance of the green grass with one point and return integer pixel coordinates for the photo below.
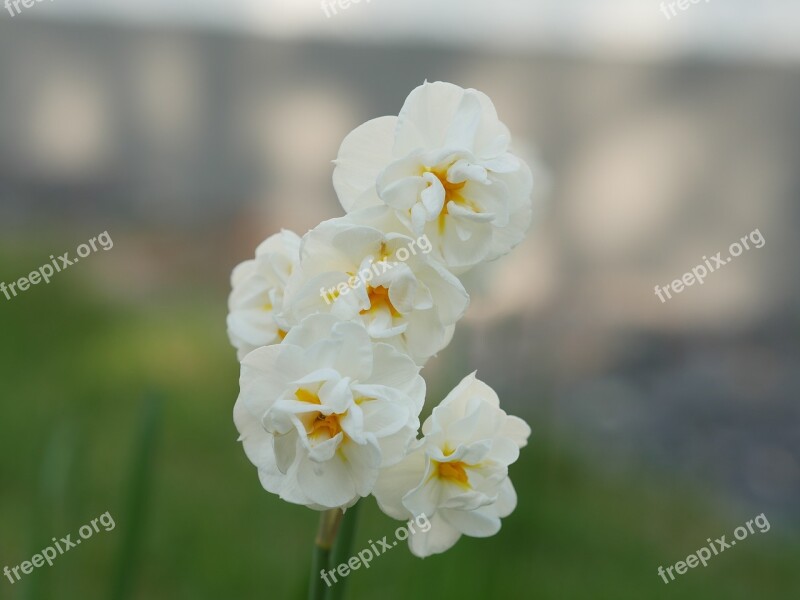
(74, 371)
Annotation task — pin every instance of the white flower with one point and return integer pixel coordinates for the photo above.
(444, 166)
(256, 300)
(350, 268)
(457, 475)
(322, 412)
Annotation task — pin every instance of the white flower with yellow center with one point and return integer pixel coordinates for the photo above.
(443, 165)
(457, 475)
(350, 268)
(256, 300)
(322, 412)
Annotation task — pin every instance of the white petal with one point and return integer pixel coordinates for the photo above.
(504, 451)
(505, 163)
(442, 114)
(242, 271)
(520, 186)
(465, 122)
(285, 449)
(394, 447)
(364, 461)
(506, 499)
(402, 194)
(463, 170)
(324, 453)
(432, 197)
(457, 253)
(262, 382)
(396, 370)
(424, 499)
(418, 218)
(470, 386)
(439, 538)
(482, 522)
(396, 481)
(425, 117)
(517, 430)
(382, 218)
(362, 156)
(425, 335)
(256, 441)
(336, 395)
(327, 484)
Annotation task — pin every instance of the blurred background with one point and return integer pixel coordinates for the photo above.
(190, 131)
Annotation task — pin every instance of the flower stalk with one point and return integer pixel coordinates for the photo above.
(329, 521)
(343, 550)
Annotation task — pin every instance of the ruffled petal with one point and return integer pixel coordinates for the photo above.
(364, 153)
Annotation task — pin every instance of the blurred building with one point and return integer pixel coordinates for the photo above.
(652, 166)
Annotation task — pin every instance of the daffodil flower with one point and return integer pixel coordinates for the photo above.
(256, 300)
(332, 329)
(444, 166)
(350, 268)
(457, 474)
(321, 413)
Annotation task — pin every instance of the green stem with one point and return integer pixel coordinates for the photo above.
(141, 481)
(326, 534)
(343, 550)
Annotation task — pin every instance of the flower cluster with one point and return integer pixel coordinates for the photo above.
(330, 389)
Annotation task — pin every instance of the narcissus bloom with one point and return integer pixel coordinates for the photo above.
(443, 165)
(457, 474)
(350, 268)
(332, 329)
(322, 412)
(256, 300)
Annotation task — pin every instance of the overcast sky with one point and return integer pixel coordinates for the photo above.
(751, 28)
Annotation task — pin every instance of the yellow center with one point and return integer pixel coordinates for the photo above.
(322, 424)
(305, 396)
(452, 193)
(317, 423)
(454, 472)
(379, 298)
